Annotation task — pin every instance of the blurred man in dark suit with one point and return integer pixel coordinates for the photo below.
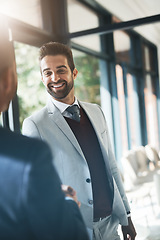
(32, 204)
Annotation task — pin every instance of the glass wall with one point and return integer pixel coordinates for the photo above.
(122, 108)
(150, 96)
(31, 92)
(122, 46)
(87, 83)
(129, 88)
(87, 21)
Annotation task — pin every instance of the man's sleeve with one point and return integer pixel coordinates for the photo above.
(49, 214)
(30, 129)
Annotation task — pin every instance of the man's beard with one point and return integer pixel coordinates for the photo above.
(60, 94)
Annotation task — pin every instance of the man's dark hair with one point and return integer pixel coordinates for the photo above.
(56, 48)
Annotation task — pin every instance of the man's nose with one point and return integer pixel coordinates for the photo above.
(55, 77)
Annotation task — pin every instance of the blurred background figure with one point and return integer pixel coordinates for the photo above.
(32, 205)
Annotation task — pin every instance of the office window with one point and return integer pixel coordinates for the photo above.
(82, 18)
(133, 111)
(148, 58)
(150, 95)
(92, 42)
(151, 112)
(122, 108)
(31, 92)
(87, 84)
(122, 46)
(27, 11)
(129, 109)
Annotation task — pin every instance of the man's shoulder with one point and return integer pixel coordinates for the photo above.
(17, 144)
(42, 113)
(91, 106)
(88, 104)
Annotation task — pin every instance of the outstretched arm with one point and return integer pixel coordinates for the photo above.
(71, 193)
(129, 231)
(49, 214)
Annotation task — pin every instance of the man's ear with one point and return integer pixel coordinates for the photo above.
(6, 80)
(41, 76)
(42, 80)
(6, 89)
(75, 72)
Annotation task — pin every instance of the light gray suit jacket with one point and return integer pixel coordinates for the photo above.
(49, 125)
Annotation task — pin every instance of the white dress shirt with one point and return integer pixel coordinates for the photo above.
(63, 106)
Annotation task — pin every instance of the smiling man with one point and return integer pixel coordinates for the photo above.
(58, 78)
(77, 133)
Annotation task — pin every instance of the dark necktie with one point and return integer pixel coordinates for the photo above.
(75, 111)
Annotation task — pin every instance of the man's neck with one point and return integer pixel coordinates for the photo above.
(68, 101)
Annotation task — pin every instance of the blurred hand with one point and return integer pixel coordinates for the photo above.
(70, 192)
(129, 231)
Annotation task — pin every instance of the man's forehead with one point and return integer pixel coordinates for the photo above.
(51, 61)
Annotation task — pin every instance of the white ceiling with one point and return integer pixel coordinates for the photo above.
(127, 10)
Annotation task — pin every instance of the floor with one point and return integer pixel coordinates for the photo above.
(145, 209)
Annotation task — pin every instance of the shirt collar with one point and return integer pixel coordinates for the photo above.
(63, 106)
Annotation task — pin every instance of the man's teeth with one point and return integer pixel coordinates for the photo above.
(57, 86)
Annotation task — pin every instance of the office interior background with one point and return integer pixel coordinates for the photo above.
(116, 47)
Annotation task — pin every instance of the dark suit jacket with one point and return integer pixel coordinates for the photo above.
(32, 205)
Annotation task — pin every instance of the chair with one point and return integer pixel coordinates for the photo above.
(136, 168)
(153, 155)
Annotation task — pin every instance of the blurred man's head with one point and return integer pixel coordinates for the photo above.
(8, 78)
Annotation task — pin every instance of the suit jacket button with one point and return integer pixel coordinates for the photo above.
(90, 202)
(88, 180)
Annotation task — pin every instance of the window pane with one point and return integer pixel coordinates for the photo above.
(151, 112)
(80, 17)
(122, 46)
(148, 58)
(133, 111)
(92, 42)
(122, 108)
(31, 92)
(27, 11)
(87, 84)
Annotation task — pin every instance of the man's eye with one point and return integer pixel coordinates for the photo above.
(61, 71)
(47, 73)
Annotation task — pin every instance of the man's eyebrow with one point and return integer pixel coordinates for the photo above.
(61, 66)
(45, 69)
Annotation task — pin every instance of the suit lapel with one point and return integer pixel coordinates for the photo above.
(56, 116)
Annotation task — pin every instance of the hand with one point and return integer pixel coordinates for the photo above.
(70, 192)
(129, 231)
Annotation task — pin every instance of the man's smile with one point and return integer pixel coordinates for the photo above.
(59, 85)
